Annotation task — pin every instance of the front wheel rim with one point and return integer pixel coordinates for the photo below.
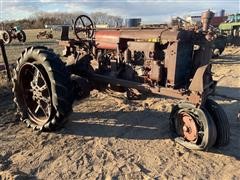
(189, 127)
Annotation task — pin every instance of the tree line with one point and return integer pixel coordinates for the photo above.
(40, 19)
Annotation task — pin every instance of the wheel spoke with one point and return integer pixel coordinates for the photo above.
(82, 22)
(44, 111)
(36, 76)
(43, 87)
(37, 108)
(85, 25)
(46, 100)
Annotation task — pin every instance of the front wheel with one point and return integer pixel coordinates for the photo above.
(192, 127)
(221, 120)
(41, 87)
(7, 38)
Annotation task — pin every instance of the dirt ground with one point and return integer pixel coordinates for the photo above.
(109, 137)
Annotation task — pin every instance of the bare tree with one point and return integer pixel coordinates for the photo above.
(104, 18)
(40, 19)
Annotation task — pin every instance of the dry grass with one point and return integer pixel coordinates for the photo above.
(4, 84)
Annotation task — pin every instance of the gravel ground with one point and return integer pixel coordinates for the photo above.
(109, 137)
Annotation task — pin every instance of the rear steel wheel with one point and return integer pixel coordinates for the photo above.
(34, 84)
(192, 127)
(42, 89)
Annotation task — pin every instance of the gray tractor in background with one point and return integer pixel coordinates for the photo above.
(13, 33)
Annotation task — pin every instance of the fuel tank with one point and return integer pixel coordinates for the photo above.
(118, 38)
(107, 39)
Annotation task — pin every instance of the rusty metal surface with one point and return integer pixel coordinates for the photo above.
(141, 46)
(113, 35)
(168, 92)
(170, 63)
(141, 33)
(148, 34)
(202, 82)
(107, 39)
(197, 83)
(156, 71)
(188, 127)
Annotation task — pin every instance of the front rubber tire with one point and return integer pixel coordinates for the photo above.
(221, 121)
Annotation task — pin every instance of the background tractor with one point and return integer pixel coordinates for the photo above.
(231, 28)
(45, 34)
(13, 33)
(169, 62)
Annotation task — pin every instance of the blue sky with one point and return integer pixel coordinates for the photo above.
(151, 11)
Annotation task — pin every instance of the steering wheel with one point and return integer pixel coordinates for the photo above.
(83, 27)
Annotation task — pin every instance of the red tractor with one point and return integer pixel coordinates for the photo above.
(169, 62)
(45, 34)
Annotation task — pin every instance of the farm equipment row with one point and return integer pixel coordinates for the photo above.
(20, 35)
(168, 62)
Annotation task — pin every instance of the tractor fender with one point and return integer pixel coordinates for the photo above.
(202, 79)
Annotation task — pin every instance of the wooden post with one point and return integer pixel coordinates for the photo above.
(5, 60)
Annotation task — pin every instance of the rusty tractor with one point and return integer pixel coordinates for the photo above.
(45, 34)
(168, 62)
(13, 33)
